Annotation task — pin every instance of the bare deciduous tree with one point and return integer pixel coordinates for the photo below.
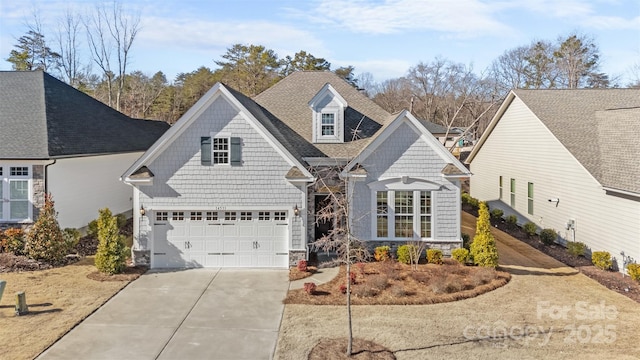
(110, 30)
(68, 48)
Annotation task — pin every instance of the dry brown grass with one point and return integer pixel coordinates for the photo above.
(437, 331)
(58, 299)
(336, 349)
(392, 283)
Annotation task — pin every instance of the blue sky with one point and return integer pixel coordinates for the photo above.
(382, 37)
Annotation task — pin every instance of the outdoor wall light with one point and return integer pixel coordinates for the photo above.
(296, 211)
(142, 210)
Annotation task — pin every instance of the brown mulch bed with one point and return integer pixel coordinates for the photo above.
(393, 283)
(360, 350)
(295, 274)
(613, 280)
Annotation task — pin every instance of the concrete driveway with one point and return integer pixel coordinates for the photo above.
(184, 314)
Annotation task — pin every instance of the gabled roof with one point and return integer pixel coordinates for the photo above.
(574, 117)
(43, 118)
(435, 128)
(288, 100)
(618, 136)
(265, 123)
(389, 128)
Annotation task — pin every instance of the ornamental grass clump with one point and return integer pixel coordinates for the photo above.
(483, 247)
(112, 252)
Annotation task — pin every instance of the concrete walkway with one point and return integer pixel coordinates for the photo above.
(184, 314)
(321, 276)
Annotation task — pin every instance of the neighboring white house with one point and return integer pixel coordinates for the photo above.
(567, 160)
(55, 139)
(231, 183)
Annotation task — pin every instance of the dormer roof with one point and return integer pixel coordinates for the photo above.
(327, 89)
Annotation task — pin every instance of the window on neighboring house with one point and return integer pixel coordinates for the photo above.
(15, 193)
(513, 193)
(403, 214)
(530, 198)
(500, 185)
(328, 124)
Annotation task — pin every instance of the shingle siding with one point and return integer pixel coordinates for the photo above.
(182, 181)
(404, 153)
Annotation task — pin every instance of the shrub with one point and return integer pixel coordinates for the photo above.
(381, 253)
(398, 290)
(483, 276)
(379, 282)
(45, 240)
(483, 247)
(406, 253)
(112, 251)
(530, 228)
(461, 255)
(496, 214)
(92, 229)
(302, 265)
(469, 200)
(310, 288)
(13, 241)
(634, 271)
(576, 248)
(511, 220)
(446, 285)
(548, 236)
(466, 240)
(601, 260)
(343, 288)
(121, 220)
(352, 277)
(71, 237)
(364, 290)
(434, 256)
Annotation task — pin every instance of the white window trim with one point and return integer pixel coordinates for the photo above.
(5, 202)
(391, 214)
(337, 124)
(215, 136)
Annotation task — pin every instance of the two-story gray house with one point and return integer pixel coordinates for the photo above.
(233, 184)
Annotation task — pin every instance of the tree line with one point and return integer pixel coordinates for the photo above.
(441, 91)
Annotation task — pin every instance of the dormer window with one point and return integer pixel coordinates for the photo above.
(327, 108)
(328, 124)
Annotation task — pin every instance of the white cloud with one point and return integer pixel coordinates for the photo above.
(204, 35)
(465, 18)
(382, 69)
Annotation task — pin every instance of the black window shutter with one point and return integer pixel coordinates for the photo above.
(205, 150)
(236, 151)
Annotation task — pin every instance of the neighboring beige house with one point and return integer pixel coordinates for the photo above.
(567, 160)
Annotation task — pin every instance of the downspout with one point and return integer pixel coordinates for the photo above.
(46, 176)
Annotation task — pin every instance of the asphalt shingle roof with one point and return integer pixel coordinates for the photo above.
(576, 118)
(288, 101)
(42, 117)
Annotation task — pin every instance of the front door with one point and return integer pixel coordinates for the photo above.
(323, 226)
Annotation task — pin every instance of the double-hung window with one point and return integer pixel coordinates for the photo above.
(403, 214)
(15, 193)
(328, 125)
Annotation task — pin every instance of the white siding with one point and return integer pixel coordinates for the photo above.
(521, 147)
(82, 186)
(181, 182)
(404, 153)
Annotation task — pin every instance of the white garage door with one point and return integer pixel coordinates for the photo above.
(220, 239)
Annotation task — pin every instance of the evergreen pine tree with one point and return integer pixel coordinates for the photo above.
(483, 247)
(112, 251)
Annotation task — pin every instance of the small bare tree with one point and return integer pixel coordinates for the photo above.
(340, 238)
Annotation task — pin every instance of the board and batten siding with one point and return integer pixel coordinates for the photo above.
(522, 148)
(83, 185)
(404, 153)
(181, 182)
